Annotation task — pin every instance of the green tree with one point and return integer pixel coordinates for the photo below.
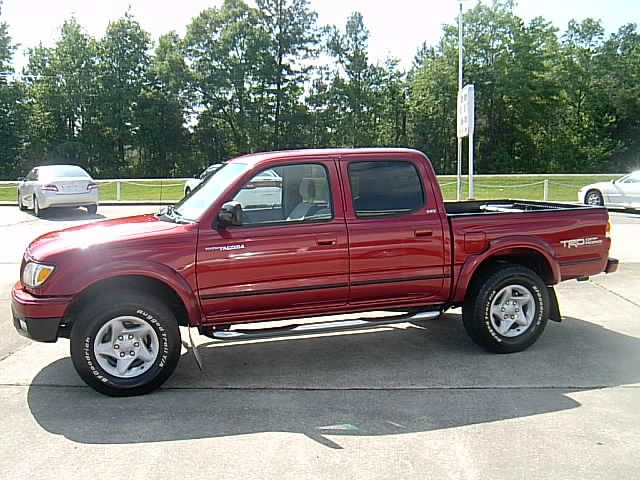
(11, 109)
(291, 40)
(123, 62)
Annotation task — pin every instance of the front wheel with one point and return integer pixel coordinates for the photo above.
(509, 311)
(92, 209)
(125, 344)
(20, 203)
(187, 192)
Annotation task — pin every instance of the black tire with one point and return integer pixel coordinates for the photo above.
(20, 204)
(594, 198)
(480, 323)
(187, 191)
(92, 209)
(145, 309)
(36, 207)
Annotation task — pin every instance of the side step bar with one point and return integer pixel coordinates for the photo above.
(316, 328)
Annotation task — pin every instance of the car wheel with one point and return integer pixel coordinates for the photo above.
(20, 203)
(187, 191)
(92, 209)
(36, 207)
(126, 344)
(507, 310)
(594, 198)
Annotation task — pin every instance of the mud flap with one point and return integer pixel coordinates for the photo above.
(194, 349)
(554, 310)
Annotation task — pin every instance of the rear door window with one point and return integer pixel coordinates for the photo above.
(384, 188)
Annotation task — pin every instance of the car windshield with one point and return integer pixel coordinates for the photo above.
(56, 171)
(194, 205)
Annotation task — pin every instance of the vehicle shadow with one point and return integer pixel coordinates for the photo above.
(416, 378)
(66, 214)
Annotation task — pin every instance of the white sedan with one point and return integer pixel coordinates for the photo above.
(57, 186)
(623, 192)
(198, 179)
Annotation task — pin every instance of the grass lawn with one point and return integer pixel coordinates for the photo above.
(562, 188)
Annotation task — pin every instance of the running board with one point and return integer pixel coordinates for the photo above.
(317, 328)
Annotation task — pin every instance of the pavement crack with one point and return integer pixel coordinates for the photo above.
(353, 389)
(616, 294)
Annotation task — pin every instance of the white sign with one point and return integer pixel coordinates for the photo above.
(466, 110)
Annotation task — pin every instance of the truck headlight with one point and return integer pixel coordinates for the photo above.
(35, 274)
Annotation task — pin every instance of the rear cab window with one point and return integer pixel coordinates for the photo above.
(383, 188)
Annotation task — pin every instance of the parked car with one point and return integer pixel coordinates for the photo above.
(192, 183)
(57, 186)
(354, 230)
(623, 192)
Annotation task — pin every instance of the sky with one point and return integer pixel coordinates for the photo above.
(396, 27)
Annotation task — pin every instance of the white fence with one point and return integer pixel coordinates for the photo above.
(545, 181)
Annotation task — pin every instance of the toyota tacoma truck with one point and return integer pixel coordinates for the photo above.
(349, 231)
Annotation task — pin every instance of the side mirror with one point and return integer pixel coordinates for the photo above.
(230, 214)
(21, 179)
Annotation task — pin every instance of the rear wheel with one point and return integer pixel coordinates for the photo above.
(509, 311)
(125, 344)
(92, 209)
(20, 203)
(594, 198)
(187, 191)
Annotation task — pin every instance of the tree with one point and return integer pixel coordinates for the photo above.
(292, 39)
(123, 62)
(226, 51)
(12, 121)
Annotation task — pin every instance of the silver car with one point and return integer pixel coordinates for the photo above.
(57, 186)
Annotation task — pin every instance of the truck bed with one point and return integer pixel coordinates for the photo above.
(483, 207)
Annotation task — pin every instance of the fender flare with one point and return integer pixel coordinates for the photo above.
(498, 247)
(156, 271)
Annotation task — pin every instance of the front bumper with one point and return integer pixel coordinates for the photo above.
(612, 265)
(38, 318)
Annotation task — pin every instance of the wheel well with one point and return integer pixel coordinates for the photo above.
(137, 283)
(525, 257)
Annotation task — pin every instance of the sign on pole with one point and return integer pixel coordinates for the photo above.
(466, 124)
(466, 111)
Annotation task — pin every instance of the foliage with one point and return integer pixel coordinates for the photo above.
(252, 78)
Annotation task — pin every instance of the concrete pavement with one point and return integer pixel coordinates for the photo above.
(411, 401)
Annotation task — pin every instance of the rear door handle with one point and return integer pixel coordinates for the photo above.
(326, 241)
(423, 233)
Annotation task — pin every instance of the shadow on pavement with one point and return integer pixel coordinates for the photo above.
(66, 214)
(414, 379)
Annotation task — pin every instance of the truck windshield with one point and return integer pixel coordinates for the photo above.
(194, 205)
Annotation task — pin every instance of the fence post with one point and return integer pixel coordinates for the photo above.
(546, 191)
(118, 190)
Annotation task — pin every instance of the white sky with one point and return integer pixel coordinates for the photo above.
(397, 27)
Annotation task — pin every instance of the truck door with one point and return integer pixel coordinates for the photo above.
(290, 253)
(395, 232)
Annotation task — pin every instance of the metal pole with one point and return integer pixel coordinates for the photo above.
(472, 193)
(546, 191)
(459, 178)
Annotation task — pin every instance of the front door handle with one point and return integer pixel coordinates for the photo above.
(423, 233)
(326, 241)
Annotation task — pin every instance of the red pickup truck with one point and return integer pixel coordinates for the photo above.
(296, 234)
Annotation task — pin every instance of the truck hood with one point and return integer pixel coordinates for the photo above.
(105, 232)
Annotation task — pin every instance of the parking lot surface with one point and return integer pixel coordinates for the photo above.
(409, 401)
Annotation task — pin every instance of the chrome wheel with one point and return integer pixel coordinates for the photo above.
(512, 311)
(594, 198)
(126, 347)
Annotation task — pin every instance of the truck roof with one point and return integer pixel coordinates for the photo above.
(255, 158)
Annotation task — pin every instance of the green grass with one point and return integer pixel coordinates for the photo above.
(562, 188)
